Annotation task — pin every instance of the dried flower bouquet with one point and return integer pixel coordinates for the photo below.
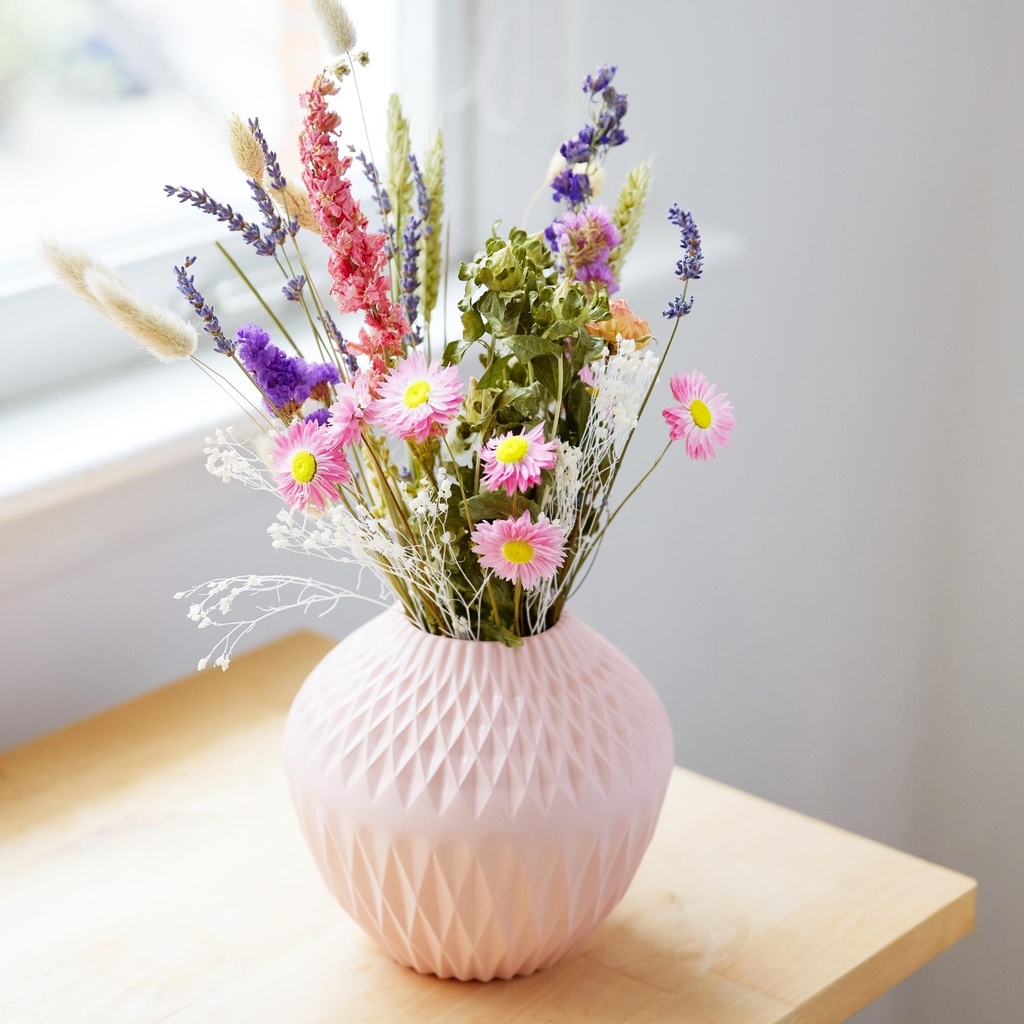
(474, 476)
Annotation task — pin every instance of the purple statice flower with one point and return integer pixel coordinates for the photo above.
(293, 289)
(319, 416)
(585, 240)
(380, 196)
(187, 287)
(274, 174)
(600, 80)
(609, 131)
(283, 379)
(592, 142)
(410, 276)
(678, 307)
(578, 149)
(568, 185)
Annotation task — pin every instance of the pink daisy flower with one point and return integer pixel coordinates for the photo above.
(308, 465)
(705, 419)
(515, 461)
(352, 407)
(415, 399)
(520, 551)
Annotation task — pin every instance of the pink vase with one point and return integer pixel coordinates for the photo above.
(477, 809)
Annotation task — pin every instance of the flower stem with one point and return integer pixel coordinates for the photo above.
(241, 273)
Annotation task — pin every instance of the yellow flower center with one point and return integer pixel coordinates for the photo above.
(519, 552)
(417, 393)
(304, 467)
(701, 414)
(512, 449)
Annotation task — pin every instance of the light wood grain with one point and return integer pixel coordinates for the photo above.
(151, 871)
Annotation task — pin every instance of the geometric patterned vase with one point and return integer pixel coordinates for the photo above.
(476, 808)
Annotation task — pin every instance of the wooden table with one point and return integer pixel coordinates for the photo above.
(150, 870)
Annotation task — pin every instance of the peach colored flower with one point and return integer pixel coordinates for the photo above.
(623, 323)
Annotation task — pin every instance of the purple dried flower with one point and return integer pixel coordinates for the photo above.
(691, 266)
(293, 289)
(283, 379)
(187, 287)
(578, 150)
(591, 143)
(320, 416)
(585, 241)
(202, 200)
(275, 227)
(380, 195)
(339, 341)
(598, 82)
(274, 174)
(410, 275)
(614, 106)
(678, 307)
(571, 186)
(422, 195)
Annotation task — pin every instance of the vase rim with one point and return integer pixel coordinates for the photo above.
(408, 624)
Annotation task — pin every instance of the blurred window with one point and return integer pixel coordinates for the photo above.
(102, 102)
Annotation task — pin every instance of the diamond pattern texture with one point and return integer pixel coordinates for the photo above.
(477, 809)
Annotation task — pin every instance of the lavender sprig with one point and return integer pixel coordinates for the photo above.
(274, 174)
(380, 196)
(276, 229)
(678, 307)
(336, 336)
(691, 266)
(592, 141)
(202, 200)
(599, 81)
(410, 275)
(422, 195)
(187, 287)
(293, 289)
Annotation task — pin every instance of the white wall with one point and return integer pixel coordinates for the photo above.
(832, 610)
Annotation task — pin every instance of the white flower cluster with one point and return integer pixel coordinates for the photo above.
(373, 543)
(231, 459)
(561, 503)
(620, 384)
(431, 502)
(582, 475)
(215, 600)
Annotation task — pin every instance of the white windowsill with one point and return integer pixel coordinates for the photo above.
(87, 440)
